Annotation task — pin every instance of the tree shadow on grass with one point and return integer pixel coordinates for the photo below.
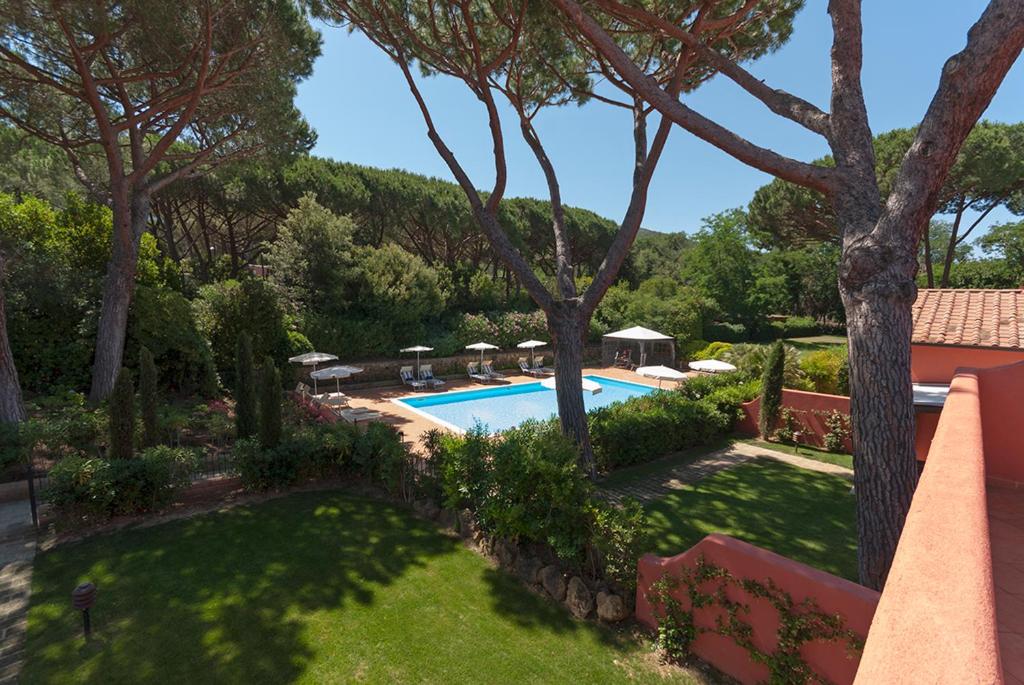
(219, 598)
(534, 612)
(802, 514)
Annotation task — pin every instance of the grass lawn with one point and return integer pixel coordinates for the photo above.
(313, 587)
(805, 515)
(838, 458)
(816, 342)
(629, 474)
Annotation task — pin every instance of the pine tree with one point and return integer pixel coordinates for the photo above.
(245, 389)
(771, 388)
(270, 405)
(122, 417)
(148, 397)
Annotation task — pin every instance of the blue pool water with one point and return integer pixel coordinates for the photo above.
(505, 406)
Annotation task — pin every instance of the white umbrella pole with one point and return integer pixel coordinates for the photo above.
(314, 380)
(417, 363)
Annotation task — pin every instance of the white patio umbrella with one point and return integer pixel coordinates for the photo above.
(588, 385)
(531, 345)
(417, 349)
(482, 346)
(712, 366)
(335, 372)
(662, 373)
(312, 359)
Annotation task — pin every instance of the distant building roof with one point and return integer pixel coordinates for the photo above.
(970, 318)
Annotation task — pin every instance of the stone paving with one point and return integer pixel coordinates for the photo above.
(17, 549)
(657, 485)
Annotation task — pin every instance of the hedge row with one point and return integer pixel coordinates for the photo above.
(648, 427)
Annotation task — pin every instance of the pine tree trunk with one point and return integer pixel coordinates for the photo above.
(876, 281)
(564, 325)
(131, 212)
(12, 410)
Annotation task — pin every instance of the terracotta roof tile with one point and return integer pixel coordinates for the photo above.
(975, 318)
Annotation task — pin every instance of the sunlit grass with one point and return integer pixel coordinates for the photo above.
(317, 587)
(805, 515)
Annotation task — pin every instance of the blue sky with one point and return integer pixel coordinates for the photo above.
(363, 113)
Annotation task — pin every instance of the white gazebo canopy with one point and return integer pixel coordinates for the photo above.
(642, 337)
(638, 333)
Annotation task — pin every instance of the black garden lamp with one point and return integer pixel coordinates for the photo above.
(82, 599)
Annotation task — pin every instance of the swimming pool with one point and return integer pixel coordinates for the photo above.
(504, 406)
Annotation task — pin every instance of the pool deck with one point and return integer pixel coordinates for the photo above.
(414, 425)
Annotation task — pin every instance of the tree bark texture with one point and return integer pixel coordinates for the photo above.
(131, 213)
(564, 324)
(12, 410)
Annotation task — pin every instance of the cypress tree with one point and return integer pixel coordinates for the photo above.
(245, 389)
(148, 397)
(270, 405)
(771, 388)
(122, 417)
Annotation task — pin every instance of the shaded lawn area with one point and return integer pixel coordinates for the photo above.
(838, 458)
(805, 515)
(313, 587)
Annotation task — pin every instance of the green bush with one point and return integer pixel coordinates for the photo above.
(226, 309)
(750, 360)
(726, 332)
(648, 427)
(771, 388)
(526, 485)
(121, 404)
(148, 397)
(795, 327)
(380, 455)
(270, 405)
(712, 351)
(163, 321)
(620, 538)
(90, 487)
(323, 451)
(823, 369)
(843, 377)
(246, 422)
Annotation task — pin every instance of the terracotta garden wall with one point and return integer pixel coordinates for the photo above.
(833, 595)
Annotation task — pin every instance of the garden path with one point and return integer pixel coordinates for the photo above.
(657, 484)
(17, 549)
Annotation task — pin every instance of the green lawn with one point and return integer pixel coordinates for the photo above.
(814, 343)
(801, 514)
(838, 458)
(316, 587)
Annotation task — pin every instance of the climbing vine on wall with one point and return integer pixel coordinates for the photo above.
(706, 585)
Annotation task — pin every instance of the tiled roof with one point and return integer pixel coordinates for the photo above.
(974, 318)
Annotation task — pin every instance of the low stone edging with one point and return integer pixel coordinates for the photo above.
(535, 566)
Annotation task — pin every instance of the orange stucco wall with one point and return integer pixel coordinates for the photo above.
(936, 621)
(832, 594)
(806, 404)
(1002, 420)
(938, 363)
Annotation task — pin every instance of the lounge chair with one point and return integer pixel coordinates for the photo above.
(333, 399)
(473, 371)
(357, 414)
(525, 367)
(409, 379)
(487, 368)
(540, 369)
(427, 377)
